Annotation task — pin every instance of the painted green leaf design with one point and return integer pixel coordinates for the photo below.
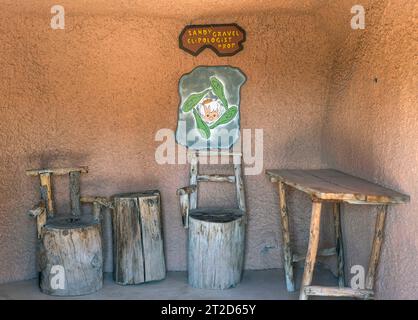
(201, 125)
(226, 117)
(218, 89)
(193, 100)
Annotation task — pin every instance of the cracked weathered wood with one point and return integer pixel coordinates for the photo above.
(46, 193)
(215, 248)
(339, 244)
(71, 257)
(329, 184)
(75, 193)
(184, 195)
(216, 178)
(338, 292)
(376, 246)
(239, 188)
(137, 238)
(39, 212)
(287, 250)
(56, 171)
(194, 165)
(312, 248)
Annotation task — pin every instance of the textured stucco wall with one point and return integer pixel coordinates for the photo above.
(371, 130)
(97, 92)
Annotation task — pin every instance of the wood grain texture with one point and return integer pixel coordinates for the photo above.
(287, 250)
(46, 193)
(194, 167)
(312, 248)
(39, 212)
(376, 246)
(215, 248)
(57, 171)
(128, 260)
(338, 292)
(239, 187)
(186, 190)
(75, 244)
(75, 193)
(339, 244)
(152, 238)
(329, 184)
(138, 244)
(184, 209)
(103, 201)
(216, 178)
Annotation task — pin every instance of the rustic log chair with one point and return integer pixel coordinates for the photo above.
(72, 242)
(216, 235)
(209, 125)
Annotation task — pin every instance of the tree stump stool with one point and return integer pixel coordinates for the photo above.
(216, 248)
(70, 257)
(138, 254)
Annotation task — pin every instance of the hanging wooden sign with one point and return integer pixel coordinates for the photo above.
(223, 39)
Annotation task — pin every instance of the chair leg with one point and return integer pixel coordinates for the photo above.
(376, 247)
(312, 248)
(339, 244)
(287, 250)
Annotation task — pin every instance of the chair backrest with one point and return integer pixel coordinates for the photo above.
(235, 178)
(45, 177)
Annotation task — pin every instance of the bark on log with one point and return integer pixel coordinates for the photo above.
(216, 248)
(138, 245)
(75, 193)
(71, 259)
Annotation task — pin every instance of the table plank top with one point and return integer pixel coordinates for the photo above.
(334, 185)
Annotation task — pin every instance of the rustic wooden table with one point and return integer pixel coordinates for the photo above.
(337, 187)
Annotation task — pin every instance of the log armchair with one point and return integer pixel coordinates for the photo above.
(216, 236)
(70, 255)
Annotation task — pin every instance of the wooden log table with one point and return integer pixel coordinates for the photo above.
(336, 187)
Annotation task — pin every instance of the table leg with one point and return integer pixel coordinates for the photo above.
(312, 248)
(377, 244)
(287, 251)
(339, 244)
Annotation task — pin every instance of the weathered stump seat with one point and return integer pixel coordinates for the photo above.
(216, 247)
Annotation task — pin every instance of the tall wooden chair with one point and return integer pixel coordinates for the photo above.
(216, 236)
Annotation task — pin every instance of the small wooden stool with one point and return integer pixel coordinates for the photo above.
(70, 257)
(336, 187)
(138, 253)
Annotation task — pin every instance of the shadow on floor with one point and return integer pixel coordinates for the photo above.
(257, 285)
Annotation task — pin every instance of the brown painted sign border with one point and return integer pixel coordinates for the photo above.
(220, 54)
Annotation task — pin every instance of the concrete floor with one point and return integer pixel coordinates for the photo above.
(260, 285)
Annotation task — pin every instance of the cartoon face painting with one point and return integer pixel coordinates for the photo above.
(211, 110)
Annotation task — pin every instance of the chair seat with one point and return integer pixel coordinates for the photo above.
(216, 214)
(69, 221)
